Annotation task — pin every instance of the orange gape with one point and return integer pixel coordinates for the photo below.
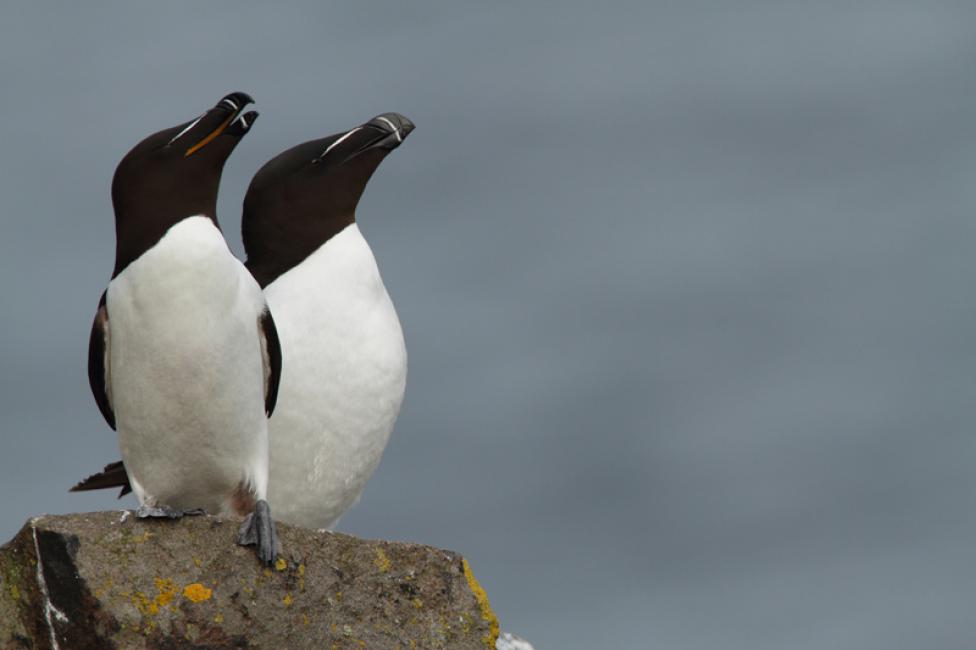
(216, 132)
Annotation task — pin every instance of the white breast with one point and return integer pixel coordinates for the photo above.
(186, 369)
(344, 369)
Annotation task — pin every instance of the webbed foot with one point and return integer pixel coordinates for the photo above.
(259, 530)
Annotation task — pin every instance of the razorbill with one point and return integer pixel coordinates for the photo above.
(340, 336)
(346, 358)
(184, 360)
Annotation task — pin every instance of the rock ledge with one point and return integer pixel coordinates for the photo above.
(108, 580)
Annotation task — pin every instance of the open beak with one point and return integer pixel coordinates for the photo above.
(228, 117)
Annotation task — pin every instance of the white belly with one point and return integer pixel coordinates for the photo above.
(344, 368)
(186, 371)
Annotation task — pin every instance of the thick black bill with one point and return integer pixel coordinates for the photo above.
(225, 116)
(384, 131)
(242, 124)
(393, 127)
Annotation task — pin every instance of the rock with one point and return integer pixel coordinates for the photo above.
(109, 580)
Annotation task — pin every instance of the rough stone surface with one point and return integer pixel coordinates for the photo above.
(109, 580)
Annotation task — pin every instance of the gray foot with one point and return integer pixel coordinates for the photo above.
(259, 530)
(164, 512)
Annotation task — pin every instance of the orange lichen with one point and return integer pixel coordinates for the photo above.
(196, 592)
(166, 588)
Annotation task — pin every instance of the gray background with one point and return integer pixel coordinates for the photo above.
(686, 290)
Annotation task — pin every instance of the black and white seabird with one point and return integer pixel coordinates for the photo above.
(340, 335)
(184, 360)
(341, 339)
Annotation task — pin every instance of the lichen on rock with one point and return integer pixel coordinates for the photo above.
(110, 580)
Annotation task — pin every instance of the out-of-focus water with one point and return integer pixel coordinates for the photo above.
(686, 291)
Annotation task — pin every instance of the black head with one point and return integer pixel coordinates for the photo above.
(307, 194)
(174, 174)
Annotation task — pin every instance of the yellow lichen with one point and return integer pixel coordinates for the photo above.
(196, 562)
(14, 592)
(143, 604)
(167, 589)
(382, 562)
(281, 564)
(483, 604)
(218, 618)
(196, 592)
(301, 569)
(418, 603)
(287, 600)
(267, 573)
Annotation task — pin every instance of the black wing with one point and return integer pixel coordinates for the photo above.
(98, 366)
(271, 356)
(114, 475)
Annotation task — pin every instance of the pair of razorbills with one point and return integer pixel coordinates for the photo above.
(231, 385)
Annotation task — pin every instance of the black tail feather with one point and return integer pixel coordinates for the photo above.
(114, 475)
